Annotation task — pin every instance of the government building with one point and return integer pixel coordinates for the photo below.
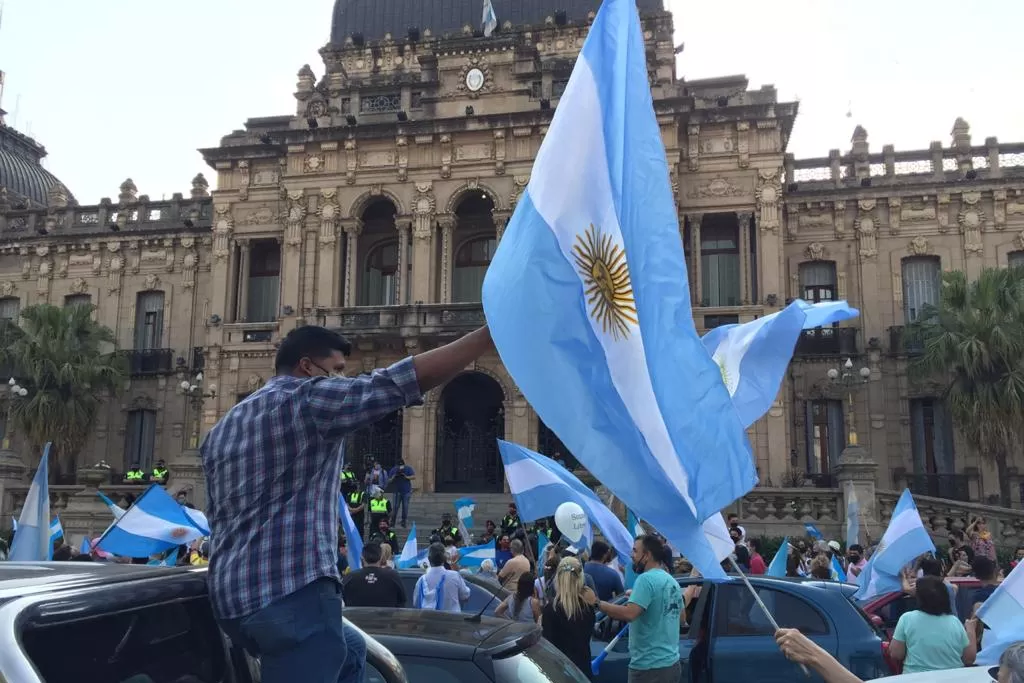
(376, 204)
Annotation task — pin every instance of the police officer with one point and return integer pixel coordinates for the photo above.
(134, 475)
(380, 507)
(348, 477)
(159, 474)
(511, 521)
(356, 501)
(384, 534)
(448, 530)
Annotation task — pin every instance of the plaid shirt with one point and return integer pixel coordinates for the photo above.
(272, 469)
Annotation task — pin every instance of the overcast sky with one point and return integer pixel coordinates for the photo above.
(119, 88)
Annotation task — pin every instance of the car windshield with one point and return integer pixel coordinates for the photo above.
(541, 663)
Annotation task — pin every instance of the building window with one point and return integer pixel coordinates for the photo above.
(149, 320)
(140, 439)
(471, 263)
(826, 437)
(416, 100)
(77, 300)
(713, 321)
(1015, 259)
(922, 284)
(346, 105)
(536, 90)
(264, 281)
(10, 308)
(380, 104)
(931, 436)
(380, 280)
(720, 261)
(558, 87)
(818, 281)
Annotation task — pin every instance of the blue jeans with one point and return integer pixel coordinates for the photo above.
(402, 501)
(302, 637)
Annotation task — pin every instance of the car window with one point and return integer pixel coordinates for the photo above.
(894, 609)
(541, 663)
(478, 596)
(159, 643)
(441, 670)
(371, 675)
(738, 614)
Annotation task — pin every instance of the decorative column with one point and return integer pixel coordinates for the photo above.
(242, 304)
(291, 256)
(327, 271)
(352, 227)
(447, 223)
(743, 220)
(223, 278)
(501, 219)
(421, 289)
(403, 224)
(694, 220)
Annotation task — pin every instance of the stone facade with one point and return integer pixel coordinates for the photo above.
(375, 207)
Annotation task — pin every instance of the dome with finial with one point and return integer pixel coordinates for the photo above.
(374, 19)
(22, 175)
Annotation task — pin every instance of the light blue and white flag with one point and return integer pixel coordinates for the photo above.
(472, 556)
(153, 525)
(408, 556)
(587, 292)
(814, 532)
(542, 545)
(86, 546)
(777, 567)
(32, 541)
(838, 574)
(490, 19)
(115, 509)
(169, 560)
(539, 485)
(1003, 614)
(637, 530)
(353, 541)
(464, 513)
(852, 520)
(903, 541)
(56, 533)
(14, 524)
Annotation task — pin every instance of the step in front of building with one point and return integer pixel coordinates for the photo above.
(425, 510)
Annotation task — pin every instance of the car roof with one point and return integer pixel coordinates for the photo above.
(970, 674)
(417, 572)
(18, 578)
(443, 634)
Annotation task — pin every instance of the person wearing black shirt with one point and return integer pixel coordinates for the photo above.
(384, 534)
(448, 530)
(373, 585)
(511, 521)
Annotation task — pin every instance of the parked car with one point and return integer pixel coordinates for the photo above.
(970, 674)
(66, 622)
(891, 606)
(728, 637)
(483, 595)
(441, 647)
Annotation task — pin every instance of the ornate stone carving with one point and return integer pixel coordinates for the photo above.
(243, 180)
(314, 163)
(999, 209)
(942, 211)
(402, 163)
(866, 225)
(475, 62)
(116, 271)
(151, 282)
(894, 214)
(446, 156)
(295, 217)
(768, 195)
(972, 220)
(329, 212)
(78, 286)
(254, 382)
(7, 288)
(917, 212)
(188, 269)
(519, 184)
(919, 246)
(1019, 240)
(351, 161)
(200, 186)
(717, 188)
(264, 215)
(816, 251)
(223, 226)
(128, 192)
(424, 203)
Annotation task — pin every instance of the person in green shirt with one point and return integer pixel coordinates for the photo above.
(931, 638)
(654, 613)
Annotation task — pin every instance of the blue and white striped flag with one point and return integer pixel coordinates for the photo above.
(587, 292)
(852, 520)
(464, 513)
(838, 574)
(32, 540)
(153, 525)
(1003, 614)
(409, 551)
(353, 541)
(814, 532)
(169, 560)
(490, 19)
(115, 509)
(903, 541)
(473, 556)
(86, 547)
(777, 567)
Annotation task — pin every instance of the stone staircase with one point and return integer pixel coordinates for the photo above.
(426, 509)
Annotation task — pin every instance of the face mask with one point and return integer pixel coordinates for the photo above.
(638, 567)
(854, 558)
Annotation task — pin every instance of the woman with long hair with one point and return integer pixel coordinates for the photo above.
(386, 556)
(569, 618)
(522, 605)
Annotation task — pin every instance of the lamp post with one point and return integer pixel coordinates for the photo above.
(195, 395)
(849, 380)
(13, 391)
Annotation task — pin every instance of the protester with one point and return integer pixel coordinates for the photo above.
(502, 551)
(654, 612)
(402, 475)
(931, 638)
(516, 567)
(272, 467)
(986, 571)
(568, 618)
(607, 580)
(522, 605)
(981, 539)
(387, 555)
(855, 560)
(488, 572)
(489, 532)
(376, 476)
(440, 589)
(734, 523)
(375, 585)
(757, 563)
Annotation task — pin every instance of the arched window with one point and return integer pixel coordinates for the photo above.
(140, 439)
(380, 279)
(922, 284)
(471, 263)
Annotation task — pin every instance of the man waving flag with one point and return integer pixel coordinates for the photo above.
(588, 304)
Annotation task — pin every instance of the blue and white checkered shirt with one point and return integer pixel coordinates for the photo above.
(272, 469)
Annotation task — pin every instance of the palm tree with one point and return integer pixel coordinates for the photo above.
(973, 341)
(69, 364)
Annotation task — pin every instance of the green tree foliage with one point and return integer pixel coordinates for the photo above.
(69, 364)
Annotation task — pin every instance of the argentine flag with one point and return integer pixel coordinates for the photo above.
(115, 509)
(153, 525)
(490, 19)
(33, 538)
(777, 568)
(464, 512)
(588, 304)
(353, 541)
(539, 485)
(408, 557)
(471, 557)
(903, 541)
(1003, 614)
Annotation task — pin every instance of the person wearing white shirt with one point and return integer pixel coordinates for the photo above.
(440, 589)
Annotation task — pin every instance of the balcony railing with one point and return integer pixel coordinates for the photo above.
(900, 343)
(950, 486)
(827, 341)
(147, 362)
(420, 319)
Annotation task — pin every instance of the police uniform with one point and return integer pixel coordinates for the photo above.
(391, 538)
(445, 531)
(509, 524)
(159, 474)
(354, 500)
(380, 508)
(134, 475)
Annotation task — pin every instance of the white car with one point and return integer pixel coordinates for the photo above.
(968, 674)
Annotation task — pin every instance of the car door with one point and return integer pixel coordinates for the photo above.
(742, 645)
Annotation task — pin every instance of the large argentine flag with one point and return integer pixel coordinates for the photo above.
(353, 540)
(588, 304)
(473, 556)
(409, 551)
(903, 541)
(154, 524)
(1003, 614)
(539, 485)
(754, 356)
(32, 538)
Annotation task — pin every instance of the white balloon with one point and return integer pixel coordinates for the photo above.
(572, 521)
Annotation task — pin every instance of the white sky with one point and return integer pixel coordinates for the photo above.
(130, 88)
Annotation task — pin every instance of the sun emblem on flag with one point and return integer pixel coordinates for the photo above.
(724, 371)
(608, 289)
(179, 532)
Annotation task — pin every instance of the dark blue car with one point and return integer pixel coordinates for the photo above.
(728, 638)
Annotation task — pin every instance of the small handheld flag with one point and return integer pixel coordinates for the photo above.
(595, 666)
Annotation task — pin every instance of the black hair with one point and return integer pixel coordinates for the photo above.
(655, 546)
(599, 551)
(435, 555)
(932, 596)
(856, 548)
(62, 554)
(524, 591)
(371, 553)
(755, 544)
(82, 557)
(931, 567)
(984, 568)
(308, 341)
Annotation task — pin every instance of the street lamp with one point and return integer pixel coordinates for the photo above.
(849, 380)
(195, 396)
(13, 391)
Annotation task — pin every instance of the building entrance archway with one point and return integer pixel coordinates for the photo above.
(470, 419)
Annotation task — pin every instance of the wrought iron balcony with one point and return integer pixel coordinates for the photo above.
(148, 362)
(827, 341)
(901, 344)
(951, 486)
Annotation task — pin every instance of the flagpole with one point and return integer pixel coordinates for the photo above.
(760, 603)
